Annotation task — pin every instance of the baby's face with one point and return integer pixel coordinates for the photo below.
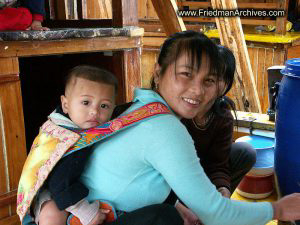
(88, 103)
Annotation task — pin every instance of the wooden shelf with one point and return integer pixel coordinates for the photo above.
(72, 45)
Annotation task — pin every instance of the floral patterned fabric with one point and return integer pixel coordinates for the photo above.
(53, 142)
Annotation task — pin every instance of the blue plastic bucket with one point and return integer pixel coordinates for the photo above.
(264, 147)
(287, 129)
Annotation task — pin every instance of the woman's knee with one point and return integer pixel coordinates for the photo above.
(247, 152)
(167, 214)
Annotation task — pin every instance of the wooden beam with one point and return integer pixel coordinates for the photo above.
(281, 21)
(28, 48)
(11, 220)
(125, 13)
(127, 63)
(167, 13)
(62, 12)
(8, 198)
(9, 66)
(232, 36)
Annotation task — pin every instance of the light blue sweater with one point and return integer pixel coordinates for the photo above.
(139, 166)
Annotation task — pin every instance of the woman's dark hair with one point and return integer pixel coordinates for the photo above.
(92, 73)
(194, 44)
(228, 61)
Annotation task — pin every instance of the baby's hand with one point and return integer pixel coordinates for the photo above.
(100, 217)
(37, 25)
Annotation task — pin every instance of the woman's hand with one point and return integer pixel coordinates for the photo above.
(188, 216)
(287, 208)
(224, 191)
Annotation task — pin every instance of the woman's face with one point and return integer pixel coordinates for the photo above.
(187, 91)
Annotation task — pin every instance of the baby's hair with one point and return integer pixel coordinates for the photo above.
(91, 73)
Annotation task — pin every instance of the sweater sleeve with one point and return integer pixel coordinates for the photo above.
(216, 162)
(173, 154)
(63, 182)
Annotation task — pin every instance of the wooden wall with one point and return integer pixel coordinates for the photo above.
(12, 139)
(99, 9)
(146, 10)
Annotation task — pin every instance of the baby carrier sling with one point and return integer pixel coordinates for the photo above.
(55, 142)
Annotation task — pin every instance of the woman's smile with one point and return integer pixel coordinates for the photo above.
(192, 102)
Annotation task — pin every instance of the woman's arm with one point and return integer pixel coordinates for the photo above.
(173, 154)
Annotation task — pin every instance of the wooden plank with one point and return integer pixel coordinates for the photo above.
(23, 48)
(13, 220)
(151, 12)
(8, 198)
(9, 66)
(231, 35)
(153, 41)
(99, 9)
(127, 69)
(73, 10)
(167, 13)
(14, 132)
(9, 78)
(142, 9)
(155, 34)
(51, 6)
(132, 63)
(281, 21)
(126, 63)
(61, 9)
(149, 59)
(293, 52)
(154, 27)
(4, 211)
(279, 56)
(261, 78)
(255, 121)
(125, 13)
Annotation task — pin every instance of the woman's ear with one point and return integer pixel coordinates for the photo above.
(156, 73)
(64, 103)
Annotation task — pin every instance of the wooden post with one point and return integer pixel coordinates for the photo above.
(126, 63)
(167, 13)
(12, 138)
(281, 21)
(62, 12)
(232, 36)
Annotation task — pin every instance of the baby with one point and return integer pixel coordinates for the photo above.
(88, 101)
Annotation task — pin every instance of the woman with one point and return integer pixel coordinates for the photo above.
(223, 162)
(139, 166)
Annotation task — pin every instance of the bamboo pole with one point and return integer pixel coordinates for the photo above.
(231, 35)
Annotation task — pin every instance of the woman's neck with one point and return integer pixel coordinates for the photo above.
(202, 121)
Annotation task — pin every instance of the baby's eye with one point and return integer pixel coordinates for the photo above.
(187, 74)
(210, 80)
(85, 102)
(104, 106)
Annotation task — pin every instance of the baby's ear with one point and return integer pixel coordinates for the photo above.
(64, 103)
